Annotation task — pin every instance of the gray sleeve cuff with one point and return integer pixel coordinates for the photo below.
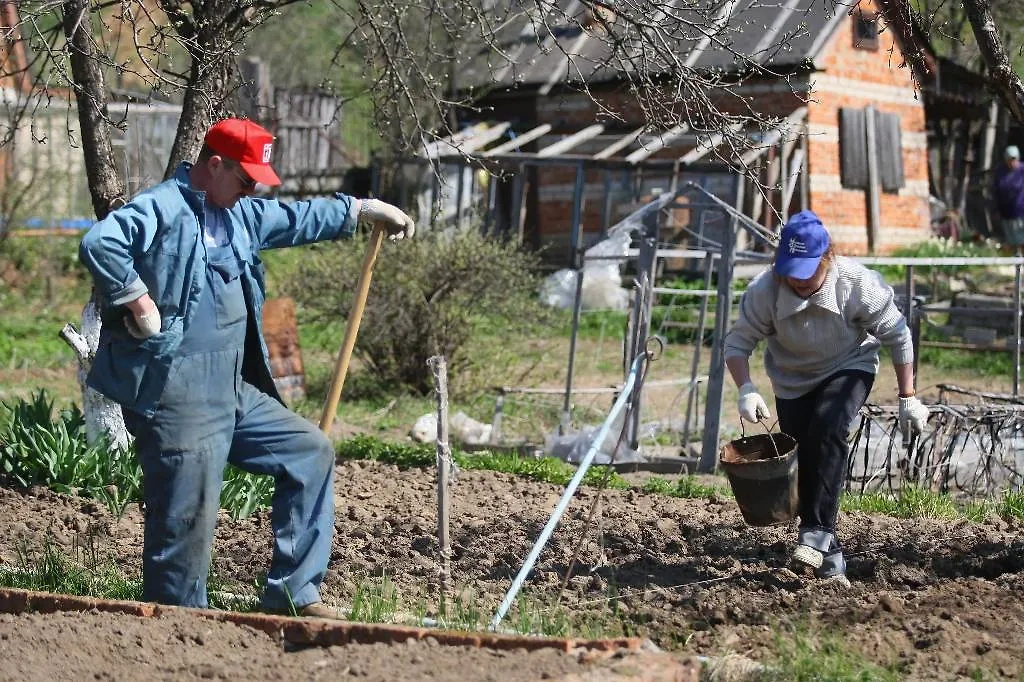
(135, 290)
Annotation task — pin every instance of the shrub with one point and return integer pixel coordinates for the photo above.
(939, 276)
(443, 293)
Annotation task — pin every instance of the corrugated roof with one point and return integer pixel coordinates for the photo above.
(546, 49)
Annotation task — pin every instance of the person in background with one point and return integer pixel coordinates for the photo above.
(181, 349)
(824, 318)
(1009, 193)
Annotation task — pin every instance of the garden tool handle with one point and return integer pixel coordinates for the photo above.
(355, 316)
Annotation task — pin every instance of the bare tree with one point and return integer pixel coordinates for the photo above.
(40, 64)
(1004, 79)
(945, 20)
(414, 49)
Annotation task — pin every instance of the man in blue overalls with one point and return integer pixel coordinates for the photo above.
(182, 351)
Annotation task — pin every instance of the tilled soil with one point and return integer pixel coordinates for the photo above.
(941, 600)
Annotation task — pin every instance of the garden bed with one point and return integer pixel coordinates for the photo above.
(931, 599)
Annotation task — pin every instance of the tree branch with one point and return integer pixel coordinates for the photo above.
(1003, 78)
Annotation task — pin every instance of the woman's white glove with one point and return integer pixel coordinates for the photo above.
(751, 405)
(143, 326)
(913, 417)
(397, 223)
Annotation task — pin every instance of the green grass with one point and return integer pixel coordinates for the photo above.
(805, 656)
(914, 502)
(28, 335)
(545, 469)
(685, 487)
(83, 573)
(375, 601)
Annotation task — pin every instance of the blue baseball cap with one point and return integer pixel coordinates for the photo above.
(802, 243)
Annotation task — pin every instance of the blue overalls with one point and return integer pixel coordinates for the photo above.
(206, 417)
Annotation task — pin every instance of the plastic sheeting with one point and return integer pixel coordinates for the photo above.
(602, 279)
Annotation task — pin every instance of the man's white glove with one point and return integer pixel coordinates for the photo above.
(752, 406)
(397, 223)
(913, 417)
(143, 326)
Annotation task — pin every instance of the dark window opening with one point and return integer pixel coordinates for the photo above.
(865, 30)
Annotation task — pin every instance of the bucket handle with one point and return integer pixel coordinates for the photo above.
(768, 430)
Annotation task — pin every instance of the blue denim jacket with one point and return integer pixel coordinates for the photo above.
(154, 244)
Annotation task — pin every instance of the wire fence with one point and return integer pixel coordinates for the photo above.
(973, 451)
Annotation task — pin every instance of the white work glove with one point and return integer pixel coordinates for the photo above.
(751, 405)
(396, 222)
(913, 417)
(143, 326)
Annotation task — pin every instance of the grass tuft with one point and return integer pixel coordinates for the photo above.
(805, 656)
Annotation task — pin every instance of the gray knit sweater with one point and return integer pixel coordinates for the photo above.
(840, 327)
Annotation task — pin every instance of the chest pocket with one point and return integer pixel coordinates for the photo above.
(226, 287)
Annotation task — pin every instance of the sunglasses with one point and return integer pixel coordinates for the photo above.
(248, 184)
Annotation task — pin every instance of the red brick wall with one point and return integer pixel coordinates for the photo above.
(848, 77)
(854, 77)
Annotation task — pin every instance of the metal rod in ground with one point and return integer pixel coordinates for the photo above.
(570, 490)
(1016, 328)
(439, 368)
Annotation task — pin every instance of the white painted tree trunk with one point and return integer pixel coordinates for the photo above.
(102, 416)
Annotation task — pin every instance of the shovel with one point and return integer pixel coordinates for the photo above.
(355, 316)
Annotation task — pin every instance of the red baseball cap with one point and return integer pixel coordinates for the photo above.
(247, 143)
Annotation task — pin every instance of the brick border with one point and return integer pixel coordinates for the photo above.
(307, 631)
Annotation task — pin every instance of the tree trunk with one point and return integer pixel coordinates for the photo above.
(1001, 74)
(213, 85)
(102, 416)
(91, 93)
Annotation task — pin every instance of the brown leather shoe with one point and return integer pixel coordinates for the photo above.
(319, 609)
(315, 610)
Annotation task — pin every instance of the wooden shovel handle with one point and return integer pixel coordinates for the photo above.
(355, 316)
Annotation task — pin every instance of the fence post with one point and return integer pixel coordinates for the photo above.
(911, 314)
(439, 368)
(647, 260)
(577, 263)
(691, 393)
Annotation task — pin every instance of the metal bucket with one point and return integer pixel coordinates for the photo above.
(762, 473)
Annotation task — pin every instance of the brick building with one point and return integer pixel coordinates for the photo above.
(832, 81)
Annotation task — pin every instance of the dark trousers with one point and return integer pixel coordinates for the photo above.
(820, 422)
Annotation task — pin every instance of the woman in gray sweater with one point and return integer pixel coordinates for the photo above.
(824, 318)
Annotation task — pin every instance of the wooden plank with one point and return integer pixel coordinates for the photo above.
(708, 143)
(567, 143)
(519, 140)
(620, 144)
(658, 144)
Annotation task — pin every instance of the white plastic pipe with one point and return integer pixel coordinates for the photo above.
(570, 490)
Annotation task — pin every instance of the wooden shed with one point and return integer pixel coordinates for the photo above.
(849, 139)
